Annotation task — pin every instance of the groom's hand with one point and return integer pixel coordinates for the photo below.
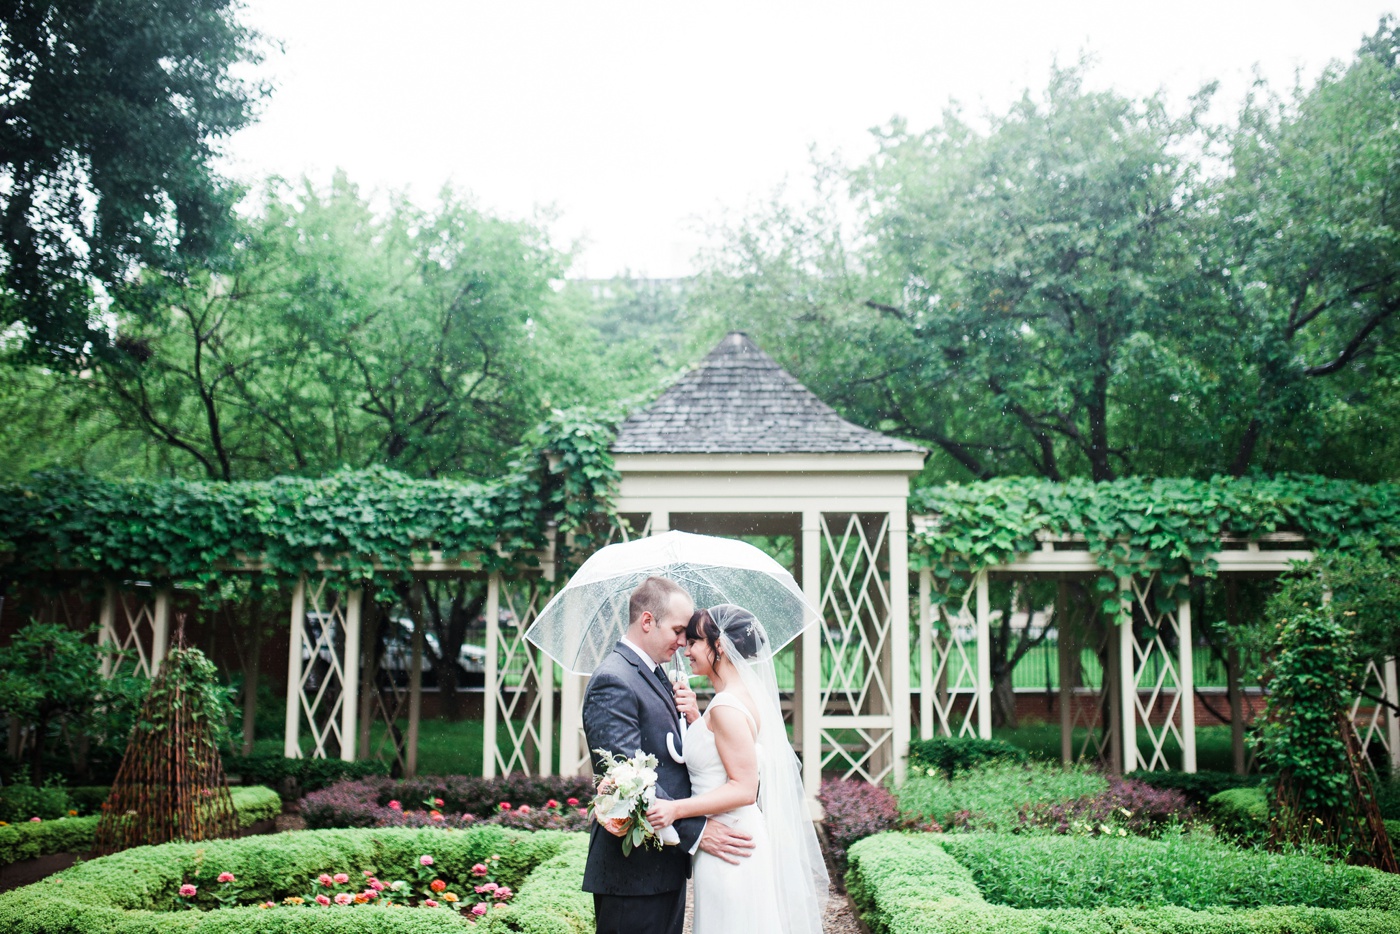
(686, 704)
(729, 845)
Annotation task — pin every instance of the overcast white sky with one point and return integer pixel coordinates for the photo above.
(637, 120)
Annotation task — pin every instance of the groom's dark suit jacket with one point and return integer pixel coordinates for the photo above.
(626, 708)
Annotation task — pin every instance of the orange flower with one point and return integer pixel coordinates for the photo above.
(449, 896)
(437, 885)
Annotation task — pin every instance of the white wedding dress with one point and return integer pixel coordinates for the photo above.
(730, 899)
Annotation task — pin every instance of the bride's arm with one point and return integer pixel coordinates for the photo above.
(735, 743)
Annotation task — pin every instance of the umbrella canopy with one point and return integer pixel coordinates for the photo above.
(580, 626)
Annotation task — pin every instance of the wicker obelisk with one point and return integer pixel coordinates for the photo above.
(171, 784)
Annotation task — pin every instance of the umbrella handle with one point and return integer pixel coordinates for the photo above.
(671, 745)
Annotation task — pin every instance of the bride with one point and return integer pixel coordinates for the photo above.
(744, 774)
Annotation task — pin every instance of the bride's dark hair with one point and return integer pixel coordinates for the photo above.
(738, 625)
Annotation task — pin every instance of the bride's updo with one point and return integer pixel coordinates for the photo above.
(733, 621)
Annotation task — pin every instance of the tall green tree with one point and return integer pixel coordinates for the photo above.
(110, 114)
(1312, 252)
(1010, 291)
(338, 335)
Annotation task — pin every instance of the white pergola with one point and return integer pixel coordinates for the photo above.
(738, 447)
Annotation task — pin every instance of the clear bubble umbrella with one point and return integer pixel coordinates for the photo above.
(580, 626)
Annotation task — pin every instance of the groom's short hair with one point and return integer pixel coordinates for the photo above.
(652, 596)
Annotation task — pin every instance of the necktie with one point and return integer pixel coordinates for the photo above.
(661, 676)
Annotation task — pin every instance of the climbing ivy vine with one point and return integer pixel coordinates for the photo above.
(1144, 526)
(368, 522)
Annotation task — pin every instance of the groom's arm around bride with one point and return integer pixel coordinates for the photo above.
(629, 706)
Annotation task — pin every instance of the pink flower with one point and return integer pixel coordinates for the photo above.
(325, 879)
(479, 869)
(479, 909)
(36, 820)
(583, 812)
(395, 806)
(505, 806)
(188, 890)
(503, 893)
(523, 809)
(425, 860)
(551, 804)
(436, 816)
(376, 885)
(267, 905)
(571, 802)
(322, 900)
(429, 903)
(226, 877)
(489, 887)
(438, 802)
(344, 898)
(341, 878)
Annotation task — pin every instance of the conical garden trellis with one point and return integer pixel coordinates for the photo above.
(171, 784)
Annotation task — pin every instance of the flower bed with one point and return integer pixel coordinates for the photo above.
(517, 801)
(387, 880)
(913, 884)
(32, 839)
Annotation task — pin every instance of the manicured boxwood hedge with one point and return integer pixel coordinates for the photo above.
(1241, 814)
(552, 900)
(135, 891)
(911, 884)
(74, 834)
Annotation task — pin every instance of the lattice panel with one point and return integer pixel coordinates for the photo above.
(858, 752)
(524, 688)
(1372, 725)
(1154, 666)
(129, 624)
(321, 689)
(856, 723)
(954, 666)
(1089, 716)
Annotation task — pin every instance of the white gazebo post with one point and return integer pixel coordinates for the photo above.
(899, 636)
(1187, 684)
(160, 629)
(926, 685)
(811, 699)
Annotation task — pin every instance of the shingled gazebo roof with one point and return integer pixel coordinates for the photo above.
(740, 401)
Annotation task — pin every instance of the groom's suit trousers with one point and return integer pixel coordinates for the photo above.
(632, 914)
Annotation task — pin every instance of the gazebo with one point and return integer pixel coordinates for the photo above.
(739, 447)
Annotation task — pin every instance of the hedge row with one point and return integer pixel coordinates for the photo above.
(910, 884)
(136, 891)
(1177, 870)
(75, 834)
(552, 899)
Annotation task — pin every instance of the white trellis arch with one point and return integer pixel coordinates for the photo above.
(137, 624)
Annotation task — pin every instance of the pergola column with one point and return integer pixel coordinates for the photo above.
(926, 685)
(984, 657)
(1186, 687)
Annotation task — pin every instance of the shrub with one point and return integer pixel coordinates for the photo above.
(910, 884)
(1388, 798)
(1241, 814)
(1199, 787)
(466, 800)
(953, 754)
(75, 834)
(138, 889)
(1186, 871)
(1127, 806)
(854, 810)
(299, 774)
(87, 799)
(994, 796)
(21, 801)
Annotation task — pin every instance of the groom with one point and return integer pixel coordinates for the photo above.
(629, 706)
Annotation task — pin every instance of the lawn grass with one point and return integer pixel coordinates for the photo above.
(1042, 740)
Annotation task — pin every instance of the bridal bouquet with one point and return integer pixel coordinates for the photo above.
(625, 792)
